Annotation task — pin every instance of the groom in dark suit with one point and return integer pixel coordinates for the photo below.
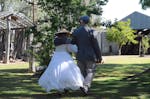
(88, 52)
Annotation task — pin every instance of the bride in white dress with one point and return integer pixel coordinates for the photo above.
(62, 72)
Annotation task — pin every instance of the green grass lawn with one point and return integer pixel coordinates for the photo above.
(17, 83)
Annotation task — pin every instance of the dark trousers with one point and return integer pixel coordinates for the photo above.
(88, 69)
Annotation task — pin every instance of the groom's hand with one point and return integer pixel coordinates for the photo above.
(101, 61)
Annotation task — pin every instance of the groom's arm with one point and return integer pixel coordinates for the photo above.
(74, 40)
(96, 48)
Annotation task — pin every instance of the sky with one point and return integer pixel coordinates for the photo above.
(121, 8)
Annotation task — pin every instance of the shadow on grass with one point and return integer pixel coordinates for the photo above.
(19, 84)
(119, 89)
(120, 70)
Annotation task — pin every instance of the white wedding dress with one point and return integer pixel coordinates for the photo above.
(62, 72)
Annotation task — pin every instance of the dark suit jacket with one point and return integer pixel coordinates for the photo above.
(88, 49)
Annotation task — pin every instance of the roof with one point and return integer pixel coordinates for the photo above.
(138, 20)
(17, 20)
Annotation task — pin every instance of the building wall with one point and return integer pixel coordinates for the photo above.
(107, 48)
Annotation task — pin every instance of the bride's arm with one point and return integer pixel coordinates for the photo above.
(72, 48)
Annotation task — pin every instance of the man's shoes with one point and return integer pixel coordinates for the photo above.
(84, 90)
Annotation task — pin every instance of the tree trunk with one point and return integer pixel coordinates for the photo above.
(119, 50)
(7, 44)
(30, 54)
(141, 49)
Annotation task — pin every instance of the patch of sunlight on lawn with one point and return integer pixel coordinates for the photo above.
(25, 74)
(106, 78)
(144, 96)
(79, 98)
(141, 96)
(21, 65)
(16, 92)
(17, 65)
(130, 59)
(19, 92)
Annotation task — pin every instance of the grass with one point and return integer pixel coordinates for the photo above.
(17, 83)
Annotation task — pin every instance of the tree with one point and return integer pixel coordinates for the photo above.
(145, 43)
(121, 33)
(145, 3)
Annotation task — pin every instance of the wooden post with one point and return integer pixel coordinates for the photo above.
(31, 36)
(31, 60)
(141, 49)
(7, 44)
